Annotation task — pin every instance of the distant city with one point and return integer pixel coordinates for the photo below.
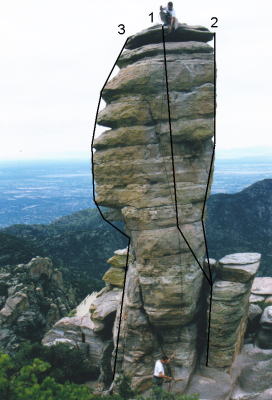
(39, 192)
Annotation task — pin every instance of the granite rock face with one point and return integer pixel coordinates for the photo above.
(183, 33)
(140, 174)
(32, 298)
(91, 328)
(255, 379)
(230, 307)
(152, 169)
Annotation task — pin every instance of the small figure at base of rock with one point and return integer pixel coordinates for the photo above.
(168, 17)
(159, 374)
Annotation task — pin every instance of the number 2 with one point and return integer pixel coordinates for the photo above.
(214, 24)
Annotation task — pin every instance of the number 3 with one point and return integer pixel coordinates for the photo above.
(122, 29)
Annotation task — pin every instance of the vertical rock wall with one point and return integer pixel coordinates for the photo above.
(160, 189)
(230, 304)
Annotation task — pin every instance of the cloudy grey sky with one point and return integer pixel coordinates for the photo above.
(56, 55)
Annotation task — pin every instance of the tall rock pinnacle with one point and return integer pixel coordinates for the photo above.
(154, 167)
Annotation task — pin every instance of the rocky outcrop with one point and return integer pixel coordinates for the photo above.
(32, 299)
(183, 33)
(91, 327)
(230, 303)
(139, 173)
(255, 379)
(152, 169)
(95, 326)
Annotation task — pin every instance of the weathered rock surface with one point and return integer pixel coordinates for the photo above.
(33, 298)
(115, 276)
(255, 377)
(133, 170)
(264, 338)
(105, 305)
(183, 33)
(262, 286)
(240, 267)
(119, 260)
(211, 384)
(157, 184)
(230, 307)
(91, 328)
(76, 331)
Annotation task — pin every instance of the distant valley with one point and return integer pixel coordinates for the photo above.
(82, 242)
(79, 244)
(40, 192)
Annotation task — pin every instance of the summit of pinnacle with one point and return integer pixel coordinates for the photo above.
(183, 33)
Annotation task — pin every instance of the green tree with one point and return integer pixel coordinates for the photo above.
(31, 382)
(67, 364)
(6, 367)
(124, 387)
(159, 394)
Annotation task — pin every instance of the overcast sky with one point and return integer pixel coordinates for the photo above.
(56, 55)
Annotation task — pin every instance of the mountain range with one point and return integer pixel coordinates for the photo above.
(81, 243)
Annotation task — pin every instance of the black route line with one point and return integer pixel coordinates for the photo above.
(209, 279)
(205, 200)
(105, 219)
(173, 161)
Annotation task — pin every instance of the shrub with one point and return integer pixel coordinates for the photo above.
(30, 383)
(66, 364)
(124, 387)
(160, 394)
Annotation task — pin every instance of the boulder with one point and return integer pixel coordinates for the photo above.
(264, 337)
(74, 331)
(262, 286)
(268, 300)
(114, 276)
(14, 305)
(105, 305)
(255, 366)
(266, 395)
(239, 267)
(266, 319)
(210, 384)
(119, 260)
(254, 312)
(40, 267)
(255, 299)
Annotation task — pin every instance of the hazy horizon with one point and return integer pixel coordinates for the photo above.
(55, 58)
(235, 153)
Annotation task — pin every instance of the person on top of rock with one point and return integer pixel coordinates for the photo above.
(168, 16)
(159, 374)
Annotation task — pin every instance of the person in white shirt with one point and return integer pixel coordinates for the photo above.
(159, 374)
(168, 16)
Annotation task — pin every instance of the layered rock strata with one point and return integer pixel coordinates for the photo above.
(160, 189)
(95, 323)
(230, 306)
